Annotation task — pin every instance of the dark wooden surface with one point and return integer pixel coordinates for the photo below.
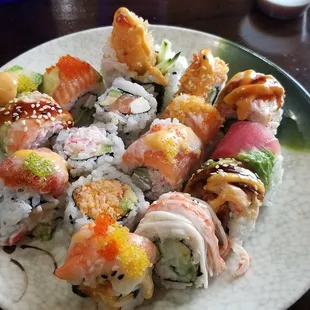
(27, 23)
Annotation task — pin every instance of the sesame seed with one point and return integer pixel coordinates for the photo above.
(37, 105)
(40, 116)
(38, 121)
(34, 112)
(2, 109)
(33, 106)
(8, 123)
(217, 166)
(121, 276)
(7, 113)
(26, 113)
(17, 118)
(52, 119)
(25, 129)
(60, 110)
(15, 114)
(69, 122)
(45, 116)
(41, 110)
(52, 108)
(33, 116)
(49, 114)
(23, 122)
(113, 273)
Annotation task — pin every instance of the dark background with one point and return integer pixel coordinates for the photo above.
(25, 24)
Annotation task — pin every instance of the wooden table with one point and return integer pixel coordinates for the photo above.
(25, 24)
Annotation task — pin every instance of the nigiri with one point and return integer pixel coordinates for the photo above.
(205, 76)
(30, 120)
(109, 264)
(69, 79)
(252, 96)
(31, 185)
(163, 158)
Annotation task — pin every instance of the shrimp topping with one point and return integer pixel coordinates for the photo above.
(131, 43)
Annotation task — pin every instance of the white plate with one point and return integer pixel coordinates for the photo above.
(280, 245)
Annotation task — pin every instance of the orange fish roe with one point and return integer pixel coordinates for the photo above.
(71, 67)
(110, 251)
(116, 245)
(103, 221)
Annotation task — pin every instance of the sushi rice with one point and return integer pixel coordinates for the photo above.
(87, 148)
(74, 218)
(22, 212)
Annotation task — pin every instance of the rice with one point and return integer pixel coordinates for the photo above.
(74, 218)
(16, 206)
(87, 148)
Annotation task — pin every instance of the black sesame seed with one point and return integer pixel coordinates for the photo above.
(174, 72)
(113, 273)
(104, 276)
(70, 217)
(204, 57)
(121, 276)
(71, 222)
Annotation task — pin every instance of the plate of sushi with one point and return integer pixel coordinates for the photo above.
(152, 167)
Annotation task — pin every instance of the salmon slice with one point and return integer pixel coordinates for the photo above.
(172, 148)
(69, 79)
(40, 170)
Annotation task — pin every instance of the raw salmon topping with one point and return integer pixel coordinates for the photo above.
(113, 242)
(71, 67)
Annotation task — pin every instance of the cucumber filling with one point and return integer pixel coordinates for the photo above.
(176, 262)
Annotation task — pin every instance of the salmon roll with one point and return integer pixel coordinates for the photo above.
(205, 76)
(30, 120)
(87, 148)
(109, 264)
(195, 113)
(235, 194)
(32, 184)
(254, 97)
(127, 108)
(75, 85)
(185, 234)
(163, 158)
(105, 190)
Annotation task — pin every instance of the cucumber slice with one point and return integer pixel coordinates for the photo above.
(110, 98)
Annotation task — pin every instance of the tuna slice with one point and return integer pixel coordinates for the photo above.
(244, 136)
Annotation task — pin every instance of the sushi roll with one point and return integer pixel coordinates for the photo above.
(130, 51)
(163, 158)
(75, 85)
(30, 120)
(205, 76)
(109, 264)
(252, 96)
(195, 113)
(87, 148)
(258, 149)
(8, 89)
(27, 81)
(235, 194)
(184, 232)
(31, 186)
(105, 190)
(127, 106)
